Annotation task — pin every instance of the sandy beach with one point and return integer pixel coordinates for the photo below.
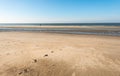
(50, 54)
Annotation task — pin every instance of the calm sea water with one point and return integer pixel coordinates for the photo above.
(63, 24)
(87, 28)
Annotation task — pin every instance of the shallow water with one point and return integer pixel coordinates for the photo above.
(92, 29)
(114, 32)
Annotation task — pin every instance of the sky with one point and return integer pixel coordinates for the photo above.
(59, 11)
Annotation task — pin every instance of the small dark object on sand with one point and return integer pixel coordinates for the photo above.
(45, 55)
(20, 73)
(52, 51)
(25, 70)
(35, 60)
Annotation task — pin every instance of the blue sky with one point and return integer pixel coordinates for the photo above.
(42, 11)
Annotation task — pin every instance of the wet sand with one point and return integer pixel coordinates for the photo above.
(47, 54)
(88, 30)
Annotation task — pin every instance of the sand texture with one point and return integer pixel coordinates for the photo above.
(47, 54)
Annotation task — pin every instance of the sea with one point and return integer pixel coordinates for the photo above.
(109, 29)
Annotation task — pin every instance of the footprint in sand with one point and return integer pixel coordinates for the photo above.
(24, 71)
(35, 60)
(20, 73)
(45, 55)
(52, 51)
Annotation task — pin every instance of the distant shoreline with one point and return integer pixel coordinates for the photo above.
(66, 24)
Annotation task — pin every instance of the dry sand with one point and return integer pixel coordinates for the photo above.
(47, 54)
